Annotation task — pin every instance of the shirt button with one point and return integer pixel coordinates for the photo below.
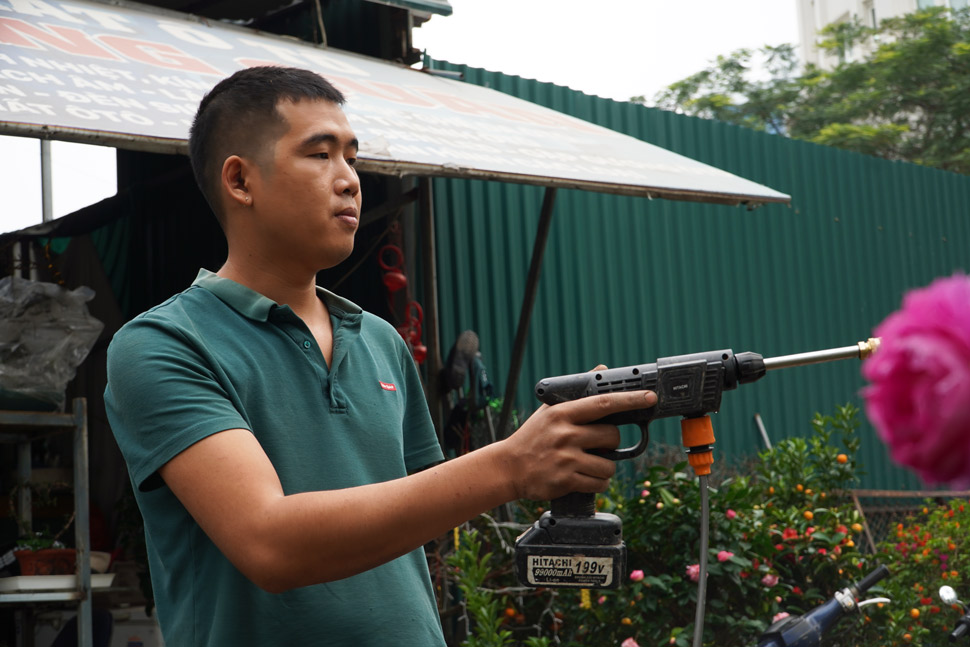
(306, 344)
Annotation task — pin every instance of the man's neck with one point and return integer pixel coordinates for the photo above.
(281, 284)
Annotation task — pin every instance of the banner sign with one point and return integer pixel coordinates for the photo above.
(131, 76)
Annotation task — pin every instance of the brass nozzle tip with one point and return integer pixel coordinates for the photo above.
(868, 347)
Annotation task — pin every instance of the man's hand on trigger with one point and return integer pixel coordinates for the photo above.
(548, 454)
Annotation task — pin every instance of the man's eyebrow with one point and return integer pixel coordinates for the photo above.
(329, 138)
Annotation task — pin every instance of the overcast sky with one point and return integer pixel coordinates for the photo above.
(611, 48)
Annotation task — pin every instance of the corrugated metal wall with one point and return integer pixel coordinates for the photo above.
(627, 280)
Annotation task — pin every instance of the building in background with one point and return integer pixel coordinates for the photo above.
(814, 15)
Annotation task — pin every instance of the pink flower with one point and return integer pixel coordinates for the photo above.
(629, 642)
(918, 398)
(779, 616)
(730, 514)
(636, 575)
(645, 494)
(724, 555)
(769, 580)
(694, 572)
(601, 599)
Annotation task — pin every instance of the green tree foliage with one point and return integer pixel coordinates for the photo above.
(782, 539)
(905, 97)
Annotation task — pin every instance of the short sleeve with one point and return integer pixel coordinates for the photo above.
(162, 396)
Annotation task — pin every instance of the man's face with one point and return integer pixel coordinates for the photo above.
(306, 194)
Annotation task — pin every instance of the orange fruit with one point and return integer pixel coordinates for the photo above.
(808, 514)
(842, 458)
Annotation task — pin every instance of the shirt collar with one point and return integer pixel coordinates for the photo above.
(254, 305)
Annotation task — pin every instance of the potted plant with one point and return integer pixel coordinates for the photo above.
(40, 552)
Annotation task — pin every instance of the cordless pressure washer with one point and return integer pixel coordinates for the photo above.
(573, 545)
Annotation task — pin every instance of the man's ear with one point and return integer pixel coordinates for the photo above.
(235, 180)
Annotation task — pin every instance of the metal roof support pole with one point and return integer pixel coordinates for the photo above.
(82, 523)
(430, 323)
(528, 301)
(46, 185)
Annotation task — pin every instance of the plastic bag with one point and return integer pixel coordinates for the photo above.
(46, 332)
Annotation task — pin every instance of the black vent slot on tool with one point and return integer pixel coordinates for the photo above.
(711, 382)
(629, 384)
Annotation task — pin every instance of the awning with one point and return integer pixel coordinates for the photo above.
(131, 76)
(440, 7)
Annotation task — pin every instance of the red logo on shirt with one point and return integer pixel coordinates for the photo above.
(386, 386)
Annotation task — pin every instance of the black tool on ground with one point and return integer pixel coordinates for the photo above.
(949, 598)
(807, 630)
(572, 545)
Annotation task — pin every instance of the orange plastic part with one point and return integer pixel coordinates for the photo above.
(698, 432)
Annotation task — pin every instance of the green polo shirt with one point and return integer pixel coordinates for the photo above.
(220, 356)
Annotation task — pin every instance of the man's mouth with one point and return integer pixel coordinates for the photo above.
(349, 214)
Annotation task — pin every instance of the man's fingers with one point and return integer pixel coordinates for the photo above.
(590, 484)
(600, 437)
(597, 467)
(596, 407)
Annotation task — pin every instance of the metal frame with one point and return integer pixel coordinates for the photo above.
(24, 428)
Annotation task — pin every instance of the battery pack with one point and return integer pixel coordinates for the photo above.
(572, 552)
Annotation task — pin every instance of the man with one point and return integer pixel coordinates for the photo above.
(270, 426)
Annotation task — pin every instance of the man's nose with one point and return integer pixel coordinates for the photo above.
(348, 182)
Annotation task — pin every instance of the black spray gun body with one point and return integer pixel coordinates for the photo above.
(572, 545)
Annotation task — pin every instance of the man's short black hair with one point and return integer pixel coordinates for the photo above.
(239, 116)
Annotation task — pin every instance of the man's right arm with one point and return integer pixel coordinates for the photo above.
(284, 541)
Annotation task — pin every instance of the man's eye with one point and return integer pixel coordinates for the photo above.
(324, 156)
(351, 161)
